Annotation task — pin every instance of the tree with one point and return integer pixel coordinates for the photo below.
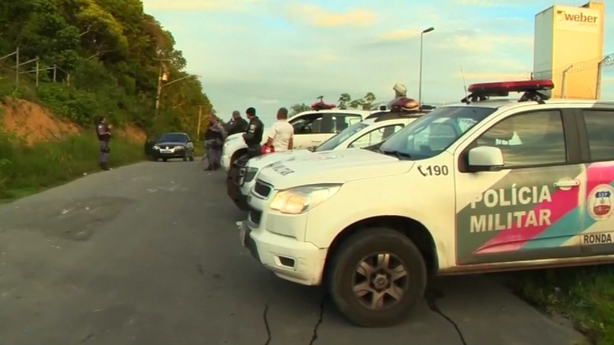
(344, 101)
(112, 52)
(364, 103)
(299, 108)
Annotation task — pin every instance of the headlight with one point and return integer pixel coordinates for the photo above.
(178, 147)
(249, 174)
(300, 199)
(156, 147)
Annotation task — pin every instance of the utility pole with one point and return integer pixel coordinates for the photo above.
(425, 31)
(200, 119)
(159, 89)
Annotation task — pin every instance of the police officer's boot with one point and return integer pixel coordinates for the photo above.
(104, 166)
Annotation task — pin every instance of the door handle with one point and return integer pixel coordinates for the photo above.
(566, 183)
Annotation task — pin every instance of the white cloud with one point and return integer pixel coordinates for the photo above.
(207, 5)
(402, 34)
(316, 16)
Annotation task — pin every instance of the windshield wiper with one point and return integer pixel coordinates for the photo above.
(398, 154)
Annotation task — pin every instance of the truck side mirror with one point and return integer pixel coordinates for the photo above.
(485, 158)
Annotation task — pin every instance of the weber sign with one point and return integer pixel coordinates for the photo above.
(577, 19)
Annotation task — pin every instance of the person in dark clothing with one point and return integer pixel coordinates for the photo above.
(237, 124)
(103, 132)
(253, 135)
(214, 140)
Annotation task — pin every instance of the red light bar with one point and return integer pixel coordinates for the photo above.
(512, 86)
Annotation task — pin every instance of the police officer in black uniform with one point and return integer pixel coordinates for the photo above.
(103, 132)
(253, 135)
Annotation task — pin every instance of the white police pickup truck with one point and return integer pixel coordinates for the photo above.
(451, 193)
(311, 128)
(372, 131)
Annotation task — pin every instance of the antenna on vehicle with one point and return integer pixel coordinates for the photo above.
(465, 85)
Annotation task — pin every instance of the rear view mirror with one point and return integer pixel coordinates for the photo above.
(485, 158)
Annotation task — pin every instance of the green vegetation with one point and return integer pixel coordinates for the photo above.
(583, 294)
(95, 57)
(25, 169)
(345, 101)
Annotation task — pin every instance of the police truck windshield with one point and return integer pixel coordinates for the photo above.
(334, 141)
(433, 133)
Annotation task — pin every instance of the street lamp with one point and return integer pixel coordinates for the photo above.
(425, 31)
(160, 86)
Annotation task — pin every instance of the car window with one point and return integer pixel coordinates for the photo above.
(328, 123)
(429, 135)
(172, 137)
(528, 139)
(341, 122)
(337, 139)
(376, 136)
(600, 130)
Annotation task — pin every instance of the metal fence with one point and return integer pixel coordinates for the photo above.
(13, 67)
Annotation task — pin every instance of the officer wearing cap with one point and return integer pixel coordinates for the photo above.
(253, 135)
(103, 131)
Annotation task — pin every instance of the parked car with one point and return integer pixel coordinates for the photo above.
(171, 145)
(377, 128)
(311, 128)
(481, 186)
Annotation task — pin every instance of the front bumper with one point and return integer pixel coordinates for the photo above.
(298, 262)
(174, 154)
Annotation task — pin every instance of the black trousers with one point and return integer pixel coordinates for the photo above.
(253, 151)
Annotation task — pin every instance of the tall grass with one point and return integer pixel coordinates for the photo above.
(585, 295)
(26, 169)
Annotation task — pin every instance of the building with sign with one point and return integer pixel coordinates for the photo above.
(568, 48)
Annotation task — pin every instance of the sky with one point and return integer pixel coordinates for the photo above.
(273, 53)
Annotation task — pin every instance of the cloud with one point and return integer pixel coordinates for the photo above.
(478, 2)
(316, 16)
(402, 34)
(476, 42)
(205, 5)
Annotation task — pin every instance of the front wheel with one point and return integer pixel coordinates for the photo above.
(376, 277)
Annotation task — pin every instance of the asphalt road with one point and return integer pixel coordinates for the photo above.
(149, 254)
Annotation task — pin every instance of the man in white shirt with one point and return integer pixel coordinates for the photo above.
(281, 133)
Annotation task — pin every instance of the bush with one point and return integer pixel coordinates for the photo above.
(25, 169)
(585, 295)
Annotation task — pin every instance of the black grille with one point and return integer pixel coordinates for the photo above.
(262, 189)
(255, 215)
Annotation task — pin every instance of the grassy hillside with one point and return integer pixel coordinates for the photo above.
(77, 60)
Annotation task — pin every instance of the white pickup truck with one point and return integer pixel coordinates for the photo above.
(372, 131)
(311, 128)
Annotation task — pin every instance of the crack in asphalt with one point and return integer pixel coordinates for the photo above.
(431, 297)
(314, 337)
(266, 323)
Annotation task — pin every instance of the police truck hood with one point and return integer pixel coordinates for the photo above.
(264, 160)
(332, 167)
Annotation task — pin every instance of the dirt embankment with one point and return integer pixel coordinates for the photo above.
(34, 123)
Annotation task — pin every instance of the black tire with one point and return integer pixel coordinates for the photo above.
(237, 155)
(165, 159)
(351, 254)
